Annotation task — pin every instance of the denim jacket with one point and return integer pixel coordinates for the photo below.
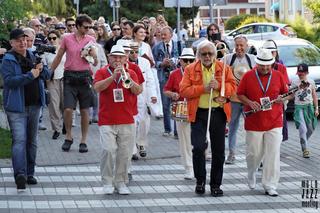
(159, 53)
(14, 82)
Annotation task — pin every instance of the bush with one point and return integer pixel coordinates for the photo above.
(235, 21)
(5, 143)
(304, 29)
(254, 19)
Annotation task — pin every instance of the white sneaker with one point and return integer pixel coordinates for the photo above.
(252, 180)
(272, 192)
(188, 175)
(123, 189)
(108, 189)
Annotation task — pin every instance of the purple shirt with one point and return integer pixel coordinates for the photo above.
(73, 49)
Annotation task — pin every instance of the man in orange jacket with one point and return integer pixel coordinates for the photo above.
(199, 79)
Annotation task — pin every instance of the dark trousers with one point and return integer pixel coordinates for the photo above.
(198, 141)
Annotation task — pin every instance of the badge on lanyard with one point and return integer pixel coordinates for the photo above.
(118, 95)
(265, 104)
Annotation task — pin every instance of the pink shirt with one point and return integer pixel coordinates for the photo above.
(73, 49)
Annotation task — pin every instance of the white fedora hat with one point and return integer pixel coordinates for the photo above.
(125, 44)
(187, 53)
(264, 57)
(271, 45)
(117, 50)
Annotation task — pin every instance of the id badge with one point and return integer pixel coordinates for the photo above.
(265, 104)
(118, 95)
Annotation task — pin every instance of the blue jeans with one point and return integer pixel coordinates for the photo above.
(237, 109)
(24, 129)
(166, 109)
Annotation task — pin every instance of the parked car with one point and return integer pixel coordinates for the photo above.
(261, 31)
(293, 51)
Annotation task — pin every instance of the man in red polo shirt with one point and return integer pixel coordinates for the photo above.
(256, 90)
(116, 122)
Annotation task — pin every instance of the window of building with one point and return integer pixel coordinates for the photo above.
(228, 12)
(242, 10)
(253, 11)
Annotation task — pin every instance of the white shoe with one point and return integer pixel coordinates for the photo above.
(272, 193)
(108, 189)
(188, 175)
(123, 189)
(252, 180)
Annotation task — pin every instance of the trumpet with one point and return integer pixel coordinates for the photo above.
(126, 80)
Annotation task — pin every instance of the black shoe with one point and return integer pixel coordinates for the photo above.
(20, 182)
(200, 188)
(66, 145)
(130, 176)
(31, 180)
(64, 131)
(216, 192)
(55, 135)
(134, 157)
(83, 148)
(142, 151)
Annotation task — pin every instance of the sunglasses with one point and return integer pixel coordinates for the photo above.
(52, 38)
(134, 51)
(87, 27)
(71, 25)
(207, 53)
(114, 29)
(188, 60)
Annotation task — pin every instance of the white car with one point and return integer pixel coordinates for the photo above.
(293, 51)
(260, 31)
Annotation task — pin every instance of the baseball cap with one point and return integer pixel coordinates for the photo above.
(302, 67)
(17, 33)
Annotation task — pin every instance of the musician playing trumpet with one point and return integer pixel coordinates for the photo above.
(201, 80)
(257, 88)
(118, 90)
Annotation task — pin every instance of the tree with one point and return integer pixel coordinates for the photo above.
(314, 6)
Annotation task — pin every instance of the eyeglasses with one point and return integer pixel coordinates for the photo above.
(187, 60)
(52, 38)
(87, 27)
(207, 53)
(71, 25)
(114, 29)
(38, 25)
(134, 52)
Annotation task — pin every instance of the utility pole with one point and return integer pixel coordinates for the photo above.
(77, 3)
(211, 10)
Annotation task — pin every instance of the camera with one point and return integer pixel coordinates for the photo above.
(41, 49)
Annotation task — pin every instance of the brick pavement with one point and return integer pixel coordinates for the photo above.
(70, 182)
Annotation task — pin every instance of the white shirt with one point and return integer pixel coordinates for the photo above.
(303, 96)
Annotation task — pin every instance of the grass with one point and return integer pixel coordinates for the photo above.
(5, 143)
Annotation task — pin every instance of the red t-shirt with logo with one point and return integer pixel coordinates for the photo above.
(173, 82)
(115, 113)
(250, 87)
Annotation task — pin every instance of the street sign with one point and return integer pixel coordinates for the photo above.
(198, 3)
(173, 3)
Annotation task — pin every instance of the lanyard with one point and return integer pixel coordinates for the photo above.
(114, 79)
(264, 90)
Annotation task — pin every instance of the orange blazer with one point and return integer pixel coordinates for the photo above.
(192, 87)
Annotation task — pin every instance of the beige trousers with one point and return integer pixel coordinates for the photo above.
(115, 141)
(55, 107)
(264, 145)
(184, 133)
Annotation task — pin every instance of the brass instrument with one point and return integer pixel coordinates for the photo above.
(126, 80)
(239, 71)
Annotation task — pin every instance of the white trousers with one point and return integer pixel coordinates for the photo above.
(184, 133)
(143, 126)
(115, 142)
(264, 145)
(156, 109)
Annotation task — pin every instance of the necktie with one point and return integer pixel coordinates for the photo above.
(168, 50)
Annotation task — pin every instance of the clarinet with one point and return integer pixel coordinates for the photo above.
(291, 91)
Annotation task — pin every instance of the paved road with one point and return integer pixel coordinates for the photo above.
(70, 182)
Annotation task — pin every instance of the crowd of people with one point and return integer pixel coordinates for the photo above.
(118, 76)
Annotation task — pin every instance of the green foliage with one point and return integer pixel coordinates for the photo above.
(235, 21)
(254, 19)
(5, 143)
(314, 6)
(303, 28)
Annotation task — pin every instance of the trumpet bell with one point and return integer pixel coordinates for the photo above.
(239, 71)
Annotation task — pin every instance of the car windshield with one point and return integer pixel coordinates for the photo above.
(292, 55)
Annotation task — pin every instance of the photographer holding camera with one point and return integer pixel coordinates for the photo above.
(23, 97)
(214, 35)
